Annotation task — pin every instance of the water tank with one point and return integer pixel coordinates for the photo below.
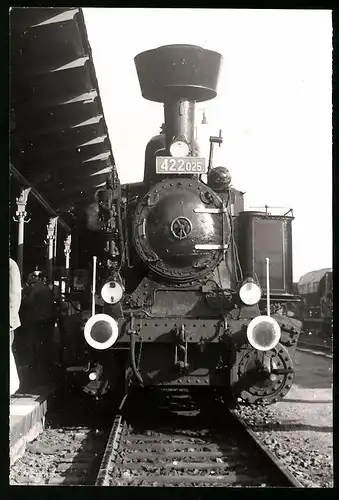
(260, 236)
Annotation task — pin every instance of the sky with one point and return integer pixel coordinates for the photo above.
(274, 105)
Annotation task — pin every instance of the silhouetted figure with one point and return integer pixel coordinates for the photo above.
(38, 318)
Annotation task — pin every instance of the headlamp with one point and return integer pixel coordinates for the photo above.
(101, 331)
(112, 292)
(179, 148)
(263, 333)
(250, 293)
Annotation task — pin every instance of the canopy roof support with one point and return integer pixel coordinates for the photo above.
(38, 197)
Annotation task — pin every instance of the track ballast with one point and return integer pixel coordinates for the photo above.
(182, 442)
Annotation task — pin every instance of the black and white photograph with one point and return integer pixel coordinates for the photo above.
(170, 247)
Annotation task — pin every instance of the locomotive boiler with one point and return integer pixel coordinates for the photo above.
(175, 284)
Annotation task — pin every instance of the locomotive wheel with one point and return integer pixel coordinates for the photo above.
(264, 391)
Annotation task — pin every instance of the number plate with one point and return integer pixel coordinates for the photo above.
(190, 165)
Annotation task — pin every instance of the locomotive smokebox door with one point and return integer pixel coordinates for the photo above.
(179, 229)
(259, 236)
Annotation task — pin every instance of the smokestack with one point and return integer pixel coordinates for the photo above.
(178, 76)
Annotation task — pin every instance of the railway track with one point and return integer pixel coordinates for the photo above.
(188, 447)
(172, 438)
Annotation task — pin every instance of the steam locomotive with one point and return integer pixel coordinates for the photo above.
(173, 283)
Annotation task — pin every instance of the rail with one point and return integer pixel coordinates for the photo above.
(110, 452)
(273, 462)
(153, 454)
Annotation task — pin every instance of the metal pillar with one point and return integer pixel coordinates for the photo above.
(51, 231)
(55, 243)
(21, 214)
(67, 249)
(67, 252)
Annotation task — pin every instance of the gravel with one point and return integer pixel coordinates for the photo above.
(308, 453)
(57, 455)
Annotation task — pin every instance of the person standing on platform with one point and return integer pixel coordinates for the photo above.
(38, 318)
(14, 320)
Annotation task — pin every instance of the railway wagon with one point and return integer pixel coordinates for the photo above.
(316, 309)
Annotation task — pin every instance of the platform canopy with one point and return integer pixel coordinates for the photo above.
(309, 283)
(59, 139)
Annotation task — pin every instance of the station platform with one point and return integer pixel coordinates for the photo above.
(27, 417)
